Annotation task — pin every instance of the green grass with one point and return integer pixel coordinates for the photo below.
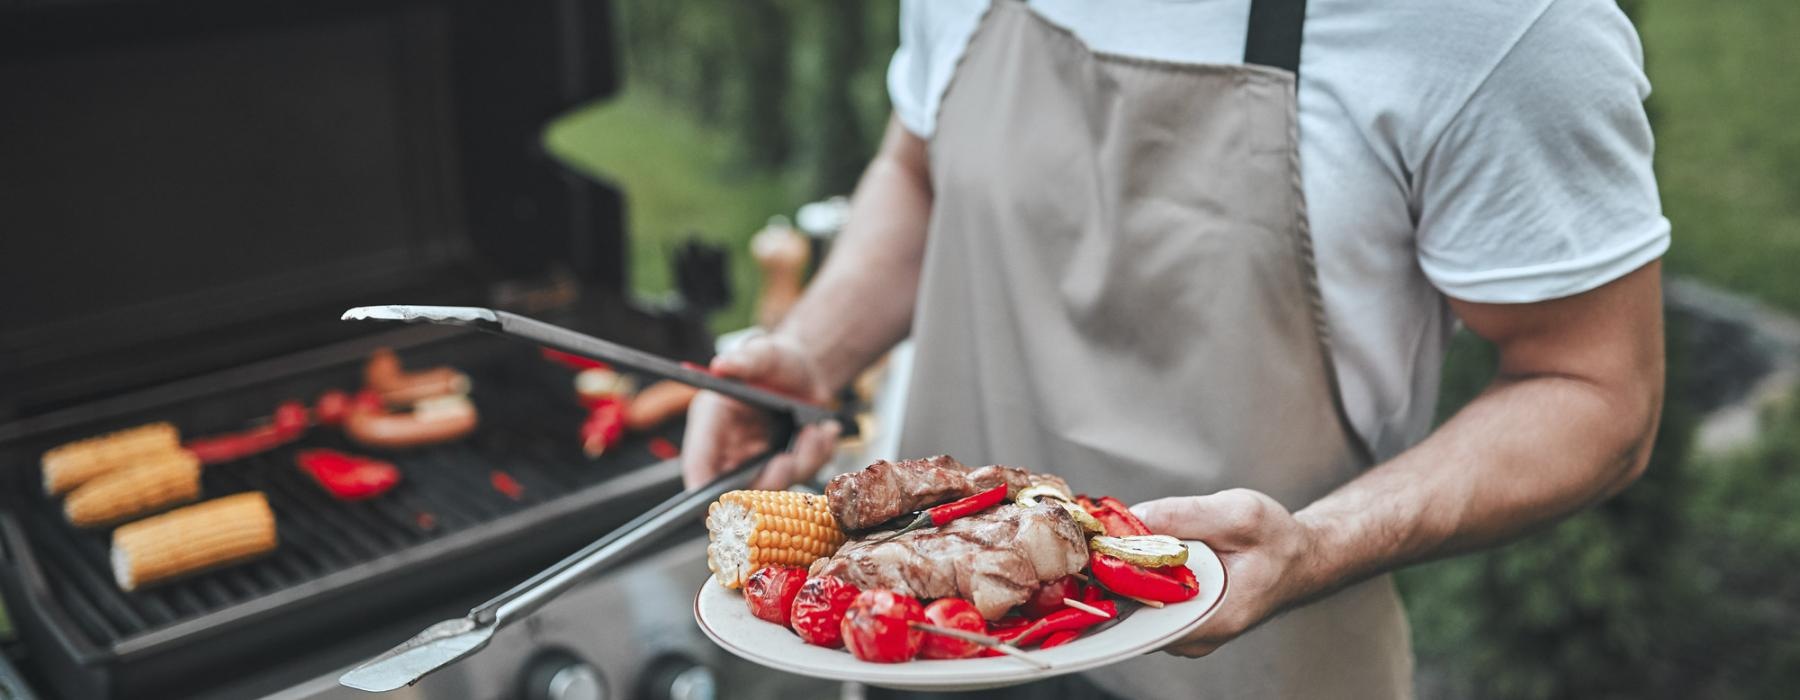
(1726, 77)
(1727, 91)
(679, 178)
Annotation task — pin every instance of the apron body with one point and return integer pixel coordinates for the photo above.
(1119, 288)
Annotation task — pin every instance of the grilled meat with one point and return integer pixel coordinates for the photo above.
(994, 559)
(886, 490)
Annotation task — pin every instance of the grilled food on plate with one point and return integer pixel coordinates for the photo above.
(72, 465)
(749, 530)
(887, 490)
(998, 552)
(196, 538)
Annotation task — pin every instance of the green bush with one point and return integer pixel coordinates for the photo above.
(1680, 587)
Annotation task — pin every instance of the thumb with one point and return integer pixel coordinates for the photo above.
(1227, 520)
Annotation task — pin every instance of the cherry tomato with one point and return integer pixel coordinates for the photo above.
(954, 613)
(818, 612)
(878, 627)
(771, 591)
(1049, 597)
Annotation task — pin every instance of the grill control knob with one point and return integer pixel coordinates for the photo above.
(560, 675)
(679, 678)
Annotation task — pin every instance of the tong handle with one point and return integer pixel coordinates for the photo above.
(567, 340)
(628, 539)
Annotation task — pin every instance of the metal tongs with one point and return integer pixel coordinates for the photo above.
(452, 640)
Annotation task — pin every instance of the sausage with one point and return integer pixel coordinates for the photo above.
(434, 420)
(398, 387)
(658, 403)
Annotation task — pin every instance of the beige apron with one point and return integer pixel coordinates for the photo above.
(1119, 288)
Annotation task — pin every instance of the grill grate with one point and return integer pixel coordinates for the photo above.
(529, 429)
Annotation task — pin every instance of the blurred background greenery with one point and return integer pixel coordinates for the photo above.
(1682, 587)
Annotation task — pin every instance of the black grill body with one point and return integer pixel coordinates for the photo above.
(192, 191)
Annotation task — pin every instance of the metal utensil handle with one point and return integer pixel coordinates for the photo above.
(582, 344)
(627, 539)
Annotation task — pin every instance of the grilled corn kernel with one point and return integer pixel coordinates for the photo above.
(201, 536)
(149, 485)
(71, 465)
(749, 530)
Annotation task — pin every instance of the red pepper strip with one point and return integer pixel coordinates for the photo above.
(348, 477)
(661, 448)
(1065, 619)
(574, 362)
(1091, 593)
(1059, 638)
(1118, 519)
(1164, 585)
(506, 484)
(287, 425)
(604, 427)
(969, 505)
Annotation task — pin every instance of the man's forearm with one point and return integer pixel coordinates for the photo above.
(1524, 453)
(861, 302)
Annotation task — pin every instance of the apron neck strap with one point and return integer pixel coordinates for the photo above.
(1273, 39)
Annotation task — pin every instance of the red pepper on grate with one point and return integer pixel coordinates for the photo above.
(331, 407)
(661, 448)
(348, 477)
(604, 427)
(572, 361)
(287, 425)
(506, 484)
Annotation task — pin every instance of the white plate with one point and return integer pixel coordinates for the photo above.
(725, 618)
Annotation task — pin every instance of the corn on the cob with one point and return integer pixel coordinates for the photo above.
(71, 465)
(149, 485)
(202, 536)
(749, 530)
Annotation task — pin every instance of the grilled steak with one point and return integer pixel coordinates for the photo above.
(886, 490)
(994, 559)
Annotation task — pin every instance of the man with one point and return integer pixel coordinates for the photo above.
(1132, 252)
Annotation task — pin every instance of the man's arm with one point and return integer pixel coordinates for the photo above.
(857, 307)
(861, 303)
(1567, 422)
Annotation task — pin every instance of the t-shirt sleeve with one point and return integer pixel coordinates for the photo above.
(933, 34)
(1541, 187)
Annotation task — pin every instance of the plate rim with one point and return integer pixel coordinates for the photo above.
(893, 675)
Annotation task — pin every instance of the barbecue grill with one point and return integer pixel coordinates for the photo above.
(193, 191)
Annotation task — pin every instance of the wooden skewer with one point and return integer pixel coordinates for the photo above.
(1084, 607)
(1079, 576)
(1145, 601)
(983, 640)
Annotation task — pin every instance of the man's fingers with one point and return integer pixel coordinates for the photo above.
(813, 447)
(1227, 519)
(754, 359)
(701, 450)
(777, 474)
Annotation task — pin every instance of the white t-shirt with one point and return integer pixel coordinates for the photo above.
(1490, 151)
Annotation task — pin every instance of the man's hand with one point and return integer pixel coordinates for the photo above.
(858, 306)
(722, 432)
(1265, 550)
(1567, 421)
